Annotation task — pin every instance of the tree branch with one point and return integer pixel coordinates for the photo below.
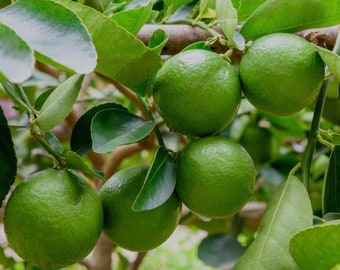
(182, 35)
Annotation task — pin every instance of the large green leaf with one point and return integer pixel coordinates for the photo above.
(17, 58)
(331, 189)
(317, 247)
(59, 103)
(55, 32)
(288, 212)
(111, 128)
(291, 16)
(159, 183)
(8, 160)
(121, 56)
(133, 19)
(246, 7)
(81, 141)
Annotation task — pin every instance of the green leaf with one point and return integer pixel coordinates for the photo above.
(246, 7)
(121, 56)
(159, 183)
(331, 59)
(219, 249)
(227, 18)
(133, 19)
(111, 128)
(290, 16)
(55, 32)
(59, 103)
(54, 142)
(331, 188)
(17, 59)
(75, 162)
(288, 212)
(158, 40)
(317, 247)
(8, 160)
(81, 141)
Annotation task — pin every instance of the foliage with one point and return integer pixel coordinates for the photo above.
(80, 80)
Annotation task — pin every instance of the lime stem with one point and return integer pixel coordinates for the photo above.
(315, 126)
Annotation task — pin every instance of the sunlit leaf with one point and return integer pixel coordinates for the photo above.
(17, 59)
(331, 59)
(121, 56)
(54, 32)
(288, 212)
(317, 247)
(291, 16)
(111, 128)
(59, 103)
(159, 183)
(133, 19)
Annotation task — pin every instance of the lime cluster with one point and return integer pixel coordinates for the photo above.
(198, 93)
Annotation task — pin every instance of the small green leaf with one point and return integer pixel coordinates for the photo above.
(124, 58)
(246, 8)
(54, 142)
(331, 188)
(288, 212)
(111, 128)
(158, 40)
(227, 18)
(59, 103)
(8, 160)
(54, 32)
(317, 247)
(17, 59)
(201, 45)
(331, 59)
(133, 19)
(276, 16)
(159, 183)
(81, 141)
(75, 162)
(219, 249)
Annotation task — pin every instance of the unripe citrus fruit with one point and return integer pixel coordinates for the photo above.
(281, 74)
(136, 230)
(197, 92)
(53, 219)
(215, 177)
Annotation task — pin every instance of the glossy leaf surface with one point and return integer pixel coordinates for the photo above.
(53, 31)
(59, 103)
(288, 212)
(159, 183)
(291, 16)
(81, 141)
(17, 59)
(111, 128)
(331, 59)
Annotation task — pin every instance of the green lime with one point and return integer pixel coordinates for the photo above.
(281, 74)
(197, 92)
(136, 230)
(215, 177)
(53, 219)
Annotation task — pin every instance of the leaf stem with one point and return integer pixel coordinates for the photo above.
(151, 117)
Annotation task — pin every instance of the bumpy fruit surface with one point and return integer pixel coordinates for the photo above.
(53, 219)
(215, 177)
(136, 230)
(281, 74)
(197, 92)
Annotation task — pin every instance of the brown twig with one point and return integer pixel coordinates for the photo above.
(138, 261)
